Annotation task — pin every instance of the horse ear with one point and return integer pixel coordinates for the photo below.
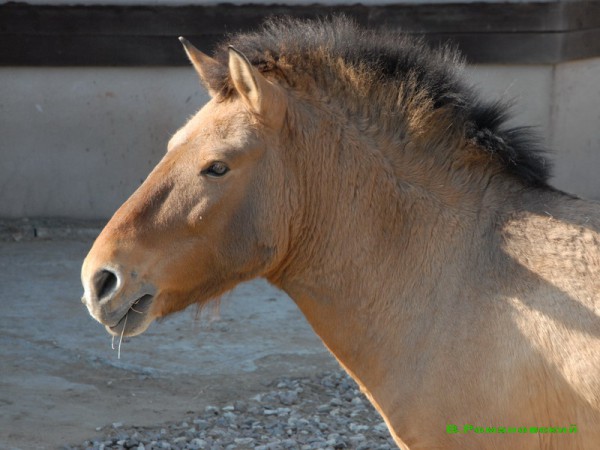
(260, 95)
(204, 65)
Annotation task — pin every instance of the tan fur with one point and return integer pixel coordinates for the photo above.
(448, 290)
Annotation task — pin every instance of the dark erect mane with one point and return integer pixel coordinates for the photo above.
(284, 46)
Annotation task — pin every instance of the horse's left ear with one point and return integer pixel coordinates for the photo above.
(262, 97)
(204, 65)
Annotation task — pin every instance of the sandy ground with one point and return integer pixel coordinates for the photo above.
(61, 383)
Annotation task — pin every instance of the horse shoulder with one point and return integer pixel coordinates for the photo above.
(555, 245)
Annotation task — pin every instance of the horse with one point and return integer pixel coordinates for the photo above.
(416, 231)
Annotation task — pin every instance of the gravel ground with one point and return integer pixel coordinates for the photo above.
(322, 412)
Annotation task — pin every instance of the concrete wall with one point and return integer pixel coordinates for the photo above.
(575, 126)
(563, 101)
(75, 142)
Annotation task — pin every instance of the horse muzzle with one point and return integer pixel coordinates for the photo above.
(122, 304)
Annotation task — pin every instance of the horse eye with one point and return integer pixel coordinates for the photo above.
(217, 169)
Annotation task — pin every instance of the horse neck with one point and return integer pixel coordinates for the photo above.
(371, 252)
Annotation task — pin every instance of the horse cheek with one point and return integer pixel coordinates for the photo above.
(246, 248)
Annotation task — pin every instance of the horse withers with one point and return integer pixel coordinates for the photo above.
(414, 229)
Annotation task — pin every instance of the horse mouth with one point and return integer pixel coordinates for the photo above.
(136, 319)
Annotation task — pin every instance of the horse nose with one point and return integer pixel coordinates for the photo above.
(104, 285)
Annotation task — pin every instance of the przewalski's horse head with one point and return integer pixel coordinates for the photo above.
(412, 227)
(214, 212)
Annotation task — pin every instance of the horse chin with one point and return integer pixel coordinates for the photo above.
(136, 320)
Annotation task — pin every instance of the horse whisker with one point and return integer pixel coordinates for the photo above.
(121, 338)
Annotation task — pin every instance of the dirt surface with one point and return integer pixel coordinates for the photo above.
(61, 383)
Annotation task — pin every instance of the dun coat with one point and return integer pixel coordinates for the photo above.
(412, 227)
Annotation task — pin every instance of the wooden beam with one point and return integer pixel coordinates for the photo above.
(505, 33)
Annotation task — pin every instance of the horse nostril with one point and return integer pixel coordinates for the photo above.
(105, 282)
